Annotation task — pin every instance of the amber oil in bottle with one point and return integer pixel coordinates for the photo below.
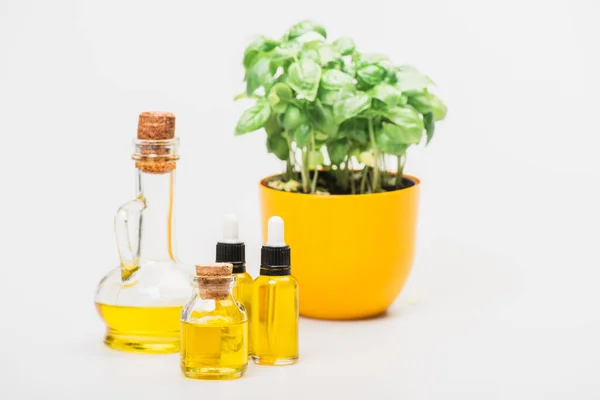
(232, 250)
(214, 327)
(275, 303)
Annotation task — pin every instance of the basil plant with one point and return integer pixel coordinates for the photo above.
(333, 113)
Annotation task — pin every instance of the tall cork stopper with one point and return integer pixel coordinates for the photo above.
(214, 280)
(155, 157)
(156, 125)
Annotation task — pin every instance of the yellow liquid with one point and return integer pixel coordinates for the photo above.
(243, 294)
(141, 329)
(215, 348)
(275, 320)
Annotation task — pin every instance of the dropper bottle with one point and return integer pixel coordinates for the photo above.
(232, 250)
(275, 302)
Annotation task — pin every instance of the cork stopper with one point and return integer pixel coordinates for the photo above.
(214, 280)
(156, 125)
(155, 153)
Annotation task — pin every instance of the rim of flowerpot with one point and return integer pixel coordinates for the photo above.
(415, 182)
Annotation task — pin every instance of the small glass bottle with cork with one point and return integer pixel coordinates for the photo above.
(214, 327)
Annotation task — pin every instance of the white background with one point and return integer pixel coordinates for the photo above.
(503, 300)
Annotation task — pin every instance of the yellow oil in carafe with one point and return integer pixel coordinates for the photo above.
(141, 329)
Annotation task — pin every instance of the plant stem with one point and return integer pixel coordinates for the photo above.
(313, 187)
(345, 173)
(293, 160)
(351, 178)
(289, 172)
(399, 172)
(304, 170)
(363, 181)
(376, 176)
(313, 145)
(383, 164)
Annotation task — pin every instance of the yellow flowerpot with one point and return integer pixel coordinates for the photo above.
(350, 253)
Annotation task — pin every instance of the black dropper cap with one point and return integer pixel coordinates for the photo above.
(234, 253)
(275, 255)
(231, 250)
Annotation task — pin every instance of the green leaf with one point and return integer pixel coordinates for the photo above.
(302, 134)
(402, 134)
(279, 108)
(344, 45)
(371, 58)
(286, 51)
(253, 118)
(408, 126)
(354, 152)
(391, 78)
(349, 68)
(283, 55)
(240, 96)
(258, 75)
(366, 157)
(327, 97)
(312, 45)
(387, 93)
(282, 91)
(279, 96)
(272, 126)
(439, 108)
(404, 116)
(337, 151)
(303, 77)
(310, 54)
(429, 121)
(305, 27)
(327, 54)
(254, 50)
(292, 118)
(321, 136)
(349, 105)
(277, 145)
(315, 158)
(372, 74)
(420, 101)
(334, 79)
(410, 79)
(355, 129)
(425, 102)
(387, 145)
(322, 118)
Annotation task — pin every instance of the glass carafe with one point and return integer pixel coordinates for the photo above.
(141, 300)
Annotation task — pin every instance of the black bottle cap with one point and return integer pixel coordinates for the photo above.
(275, 261)
(234, 253)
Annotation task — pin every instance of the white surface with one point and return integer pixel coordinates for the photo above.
(503, 302)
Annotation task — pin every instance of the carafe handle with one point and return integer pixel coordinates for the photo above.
(128, 233)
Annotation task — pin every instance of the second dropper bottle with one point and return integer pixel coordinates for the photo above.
(274, 322)
(232, 250)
